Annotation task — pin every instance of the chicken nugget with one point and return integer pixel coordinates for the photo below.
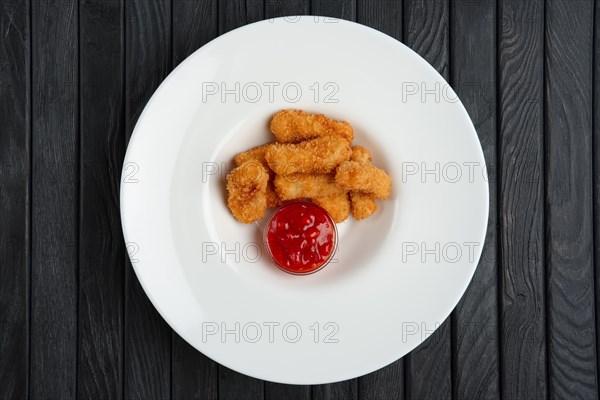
(256, 153)
(363, 205)
(352, 175)
(338, 206)
(273, 199)
(246, 189)
(360, 154)
(316, 156)
(299, 186)
(290, 126)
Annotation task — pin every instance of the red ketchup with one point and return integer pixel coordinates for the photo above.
(301, 237)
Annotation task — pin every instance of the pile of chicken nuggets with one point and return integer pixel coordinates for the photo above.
(312, 158)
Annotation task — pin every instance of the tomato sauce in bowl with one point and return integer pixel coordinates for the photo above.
(301, 237)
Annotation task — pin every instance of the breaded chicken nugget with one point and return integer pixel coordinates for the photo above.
(337, 206)
(299, 186)
(352, 175)
(290, 126)
(247, 188)
(258, 154)
(360, 154)
(273, 199)
(363, 205)
(316, 156)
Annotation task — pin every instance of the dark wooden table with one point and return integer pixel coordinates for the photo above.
(74, 77)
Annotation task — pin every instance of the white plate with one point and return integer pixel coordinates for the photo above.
(396, 276)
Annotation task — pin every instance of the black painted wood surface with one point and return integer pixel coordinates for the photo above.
(146, 336)
(473, 74)
(522, 299)
(75, 76)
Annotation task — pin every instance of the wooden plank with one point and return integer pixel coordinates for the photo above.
(234, 386)
(195, 23)
(194, 376)
(344, 390)
(387, 17)
(14, 199)
(344, 9)
(54, 214)
(387, 383)
(596, 172)
(596, 163)
(428, 369)
(274, 9)
(236, 13)
(275, 391)
(572, 364)
(147, 337)
(475, 352)
(233, 14)
(282, 8)
(102, 249)
(521, 201)
(427, 31)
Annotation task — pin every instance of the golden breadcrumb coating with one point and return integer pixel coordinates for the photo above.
(258, 154)
(273, 200)
(363, 205)
(352, 175)
(360, 154)
(290, 126)
(300, 186)
(337, 206)
(247, 191)
(316, 156)
(255, 153)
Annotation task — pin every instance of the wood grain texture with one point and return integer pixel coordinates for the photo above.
(193, 375)
(282, 8)
(428, 368)
(102, 249)
(345, 390)
(388, 382)
(521, 199)
(385, 15)
(234, 386)
(55, 187)
(427, 31)
(275, 391)
(596, 172)
(147, 337)
(569, 205)
(344, 9)
(195, 23)
(14, 200)
(236, 13)
(475, 351)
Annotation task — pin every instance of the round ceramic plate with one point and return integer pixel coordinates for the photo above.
(395, 276)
